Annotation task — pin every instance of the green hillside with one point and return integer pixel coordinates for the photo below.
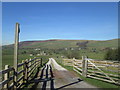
(57, 44)
(72, 43)
(102, 44)
(53, 44)
(94, 49)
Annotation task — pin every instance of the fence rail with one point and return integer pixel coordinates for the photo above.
(24, 73)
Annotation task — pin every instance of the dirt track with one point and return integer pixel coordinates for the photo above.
(66, 79)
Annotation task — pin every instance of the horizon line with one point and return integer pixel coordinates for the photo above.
(61, 39)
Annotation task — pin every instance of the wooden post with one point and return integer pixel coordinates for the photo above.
(16, 51)
(6, 77)
(30, 65)
(73, 63)
(84, 66)
(38, 62)
(26, 70)
(23, 71)
(73, 60)
(41, 62)
(35, 64)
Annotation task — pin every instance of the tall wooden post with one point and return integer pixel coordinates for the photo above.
(16, 52)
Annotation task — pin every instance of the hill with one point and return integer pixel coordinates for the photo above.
(57, 44)
(95, 49)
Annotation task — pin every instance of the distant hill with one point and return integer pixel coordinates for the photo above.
(56, 44)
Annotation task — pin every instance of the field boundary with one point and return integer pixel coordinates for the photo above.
(24, 73)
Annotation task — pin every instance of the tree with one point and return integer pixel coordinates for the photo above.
(72, 54)
(112, 54)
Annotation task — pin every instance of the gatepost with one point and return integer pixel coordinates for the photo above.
(84, 66)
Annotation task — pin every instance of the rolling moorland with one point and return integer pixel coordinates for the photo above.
(57, 44)
(52, 48)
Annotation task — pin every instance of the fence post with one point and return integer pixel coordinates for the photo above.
(26, 70)
(83, 65)
(73, 63)
(30, 65)
(23, 68)
(6, 77)
(41, 62)
(36, 63)
(14, 80)
(86, 67)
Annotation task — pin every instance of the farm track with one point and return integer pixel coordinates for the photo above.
(66, 79)
(62, 78)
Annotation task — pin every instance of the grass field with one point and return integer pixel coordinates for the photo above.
(8, 59)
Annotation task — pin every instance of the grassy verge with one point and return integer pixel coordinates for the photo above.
(97, 83)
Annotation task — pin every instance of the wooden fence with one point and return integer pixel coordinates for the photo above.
(24, 74)
(67, 62)
(95, 69)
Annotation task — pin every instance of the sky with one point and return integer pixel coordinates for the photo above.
(60, 20)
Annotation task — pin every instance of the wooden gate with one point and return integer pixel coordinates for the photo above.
(88, 68)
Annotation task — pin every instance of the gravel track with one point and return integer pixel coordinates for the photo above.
(66, 79)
